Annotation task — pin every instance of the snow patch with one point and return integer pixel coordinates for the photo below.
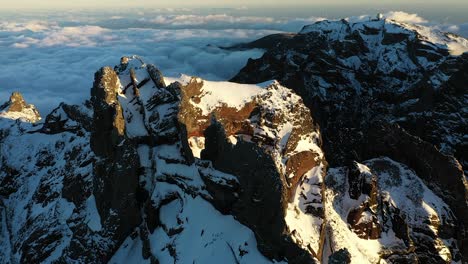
(232, 94)
(93, 219)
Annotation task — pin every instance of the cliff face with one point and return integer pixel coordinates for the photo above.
(162, 170)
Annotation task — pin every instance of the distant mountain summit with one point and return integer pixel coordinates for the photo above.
(355, 75)
(17, 108)
(360, 160)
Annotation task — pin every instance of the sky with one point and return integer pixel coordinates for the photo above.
(51, 56)
(47, 4)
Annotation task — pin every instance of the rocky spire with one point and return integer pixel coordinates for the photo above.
(115, 172)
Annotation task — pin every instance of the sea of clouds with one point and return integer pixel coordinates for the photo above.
(53, 57)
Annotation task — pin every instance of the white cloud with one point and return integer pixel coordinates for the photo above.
(74, 36)
(193, 20)
(210, 21)
(34, 26)
(20, 45)
(399, 16)
(461, 29)
(405, 17)
(58, 64)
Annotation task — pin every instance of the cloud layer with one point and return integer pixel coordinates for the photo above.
(53, 59)
(58, 64)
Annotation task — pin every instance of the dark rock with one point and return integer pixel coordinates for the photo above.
(156, 76)
(8, 183)
(116, 171)
(108, 120)
(57, 121)
(362, 183)
(268, 42)
(341, 256)
(42, 247)
(263, 193)
(224, 195)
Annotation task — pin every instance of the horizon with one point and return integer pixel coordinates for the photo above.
(453, 11)
(222, 4)
(98, 37)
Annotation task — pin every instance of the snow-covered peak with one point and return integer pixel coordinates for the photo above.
(17, 108)
(455, 44)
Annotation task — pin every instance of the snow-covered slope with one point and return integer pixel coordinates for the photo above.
(402, 212)
(339, 31)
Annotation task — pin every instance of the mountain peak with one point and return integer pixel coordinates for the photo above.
(17, 108)
(380, 28)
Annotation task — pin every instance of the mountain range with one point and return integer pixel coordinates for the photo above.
(344, 143)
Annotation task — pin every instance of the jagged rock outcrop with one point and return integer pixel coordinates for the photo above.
(71, 118)
(275, 139)
(263, 196)
(363, 219)
(442, 173)
(257, 126)
(116, 177)
(45, 185)
(108, 121)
